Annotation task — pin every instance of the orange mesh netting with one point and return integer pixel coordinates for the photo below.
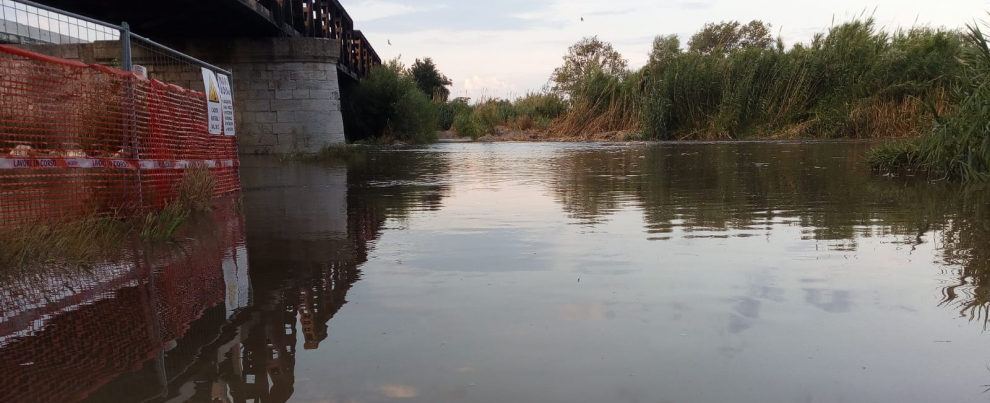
(78, 140)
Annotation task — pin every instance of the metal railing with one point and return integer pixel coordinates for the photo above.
(28, 22)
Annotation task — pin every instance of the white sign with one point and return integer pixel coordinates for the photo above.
(227, 105)
(214, 112)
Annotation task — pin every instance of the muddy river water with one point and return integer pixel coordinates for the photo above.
(743, 272)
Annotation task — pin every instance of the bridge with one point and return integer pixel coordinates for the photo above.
(288, 58)
(190, 19)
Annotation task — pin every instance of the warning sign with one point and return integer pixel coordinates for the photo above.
(227, 105)
(214, 112)
(214, 97)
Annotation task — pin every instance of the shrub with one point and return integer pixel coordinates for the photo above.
(492, 113)
(538, 106)
(466, 125)
(602, 102)
(447, 111)
(524, 123)
(388, 103)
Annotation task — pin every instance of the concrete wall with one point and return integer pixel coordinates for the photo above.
(286, 93)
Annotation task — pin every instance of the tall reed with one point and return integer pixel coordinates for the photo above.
(958, 147)
(854, 82)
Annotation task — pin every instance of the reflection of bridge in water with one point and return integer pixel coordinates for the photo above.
(193, 323)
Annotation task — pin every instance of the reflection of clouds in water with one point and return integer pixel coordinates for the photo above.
(594, 311)
(631, 394)
(772, 294)
(397, 391)
(827, 300)
(457, 393)
(747, 311)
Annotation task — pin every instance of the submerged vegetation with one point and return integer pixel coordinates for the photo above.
(194, 194)
(82, 241)
(60, 243)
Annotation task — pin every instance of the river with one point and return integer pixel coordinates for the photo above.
(528, 272)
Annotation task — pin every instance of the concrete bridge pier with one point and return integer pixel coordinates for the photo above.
(286, 92)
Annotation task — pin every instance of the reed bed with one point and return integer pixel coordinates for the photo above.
(853, 82)
(958, 147)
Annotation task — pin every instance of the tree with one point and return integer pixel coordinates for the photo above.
(583, 58)
(728, 36)
(429, 80)
(665, 48)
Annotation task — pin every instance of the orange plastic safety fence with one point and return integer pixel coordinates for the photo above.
(78, 140)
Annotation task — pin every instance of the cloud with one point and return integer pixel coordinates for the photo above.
(693, 5)
(370, 10)
(478, 87)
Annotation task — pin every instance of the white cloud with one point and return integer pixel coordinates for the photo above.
(370, 10)
(478, 88)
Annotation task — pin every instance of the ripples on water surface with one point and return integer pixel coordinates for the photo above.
(746, 272)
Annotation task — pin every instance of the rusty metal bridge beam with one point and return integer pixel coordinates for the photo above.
(324, 19)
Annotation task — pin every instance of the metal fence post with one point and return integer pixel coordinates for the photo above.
(127, 64)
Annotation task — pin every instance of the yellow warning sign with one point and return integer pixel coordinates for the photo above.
(214, 97)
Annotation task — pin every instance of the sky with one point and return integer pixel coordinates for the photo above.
(504, 48)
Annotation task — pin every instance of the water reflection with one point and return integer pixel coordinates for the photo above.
(680, 272)
(66, 336)
(721, 191)
(191, 322)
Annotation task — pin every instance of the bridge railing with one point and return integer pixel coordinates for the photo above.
(326, 19)
(25, 22)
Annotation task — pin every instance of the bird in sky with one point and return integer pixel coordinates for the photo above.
(389, 42)
(582, 19)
